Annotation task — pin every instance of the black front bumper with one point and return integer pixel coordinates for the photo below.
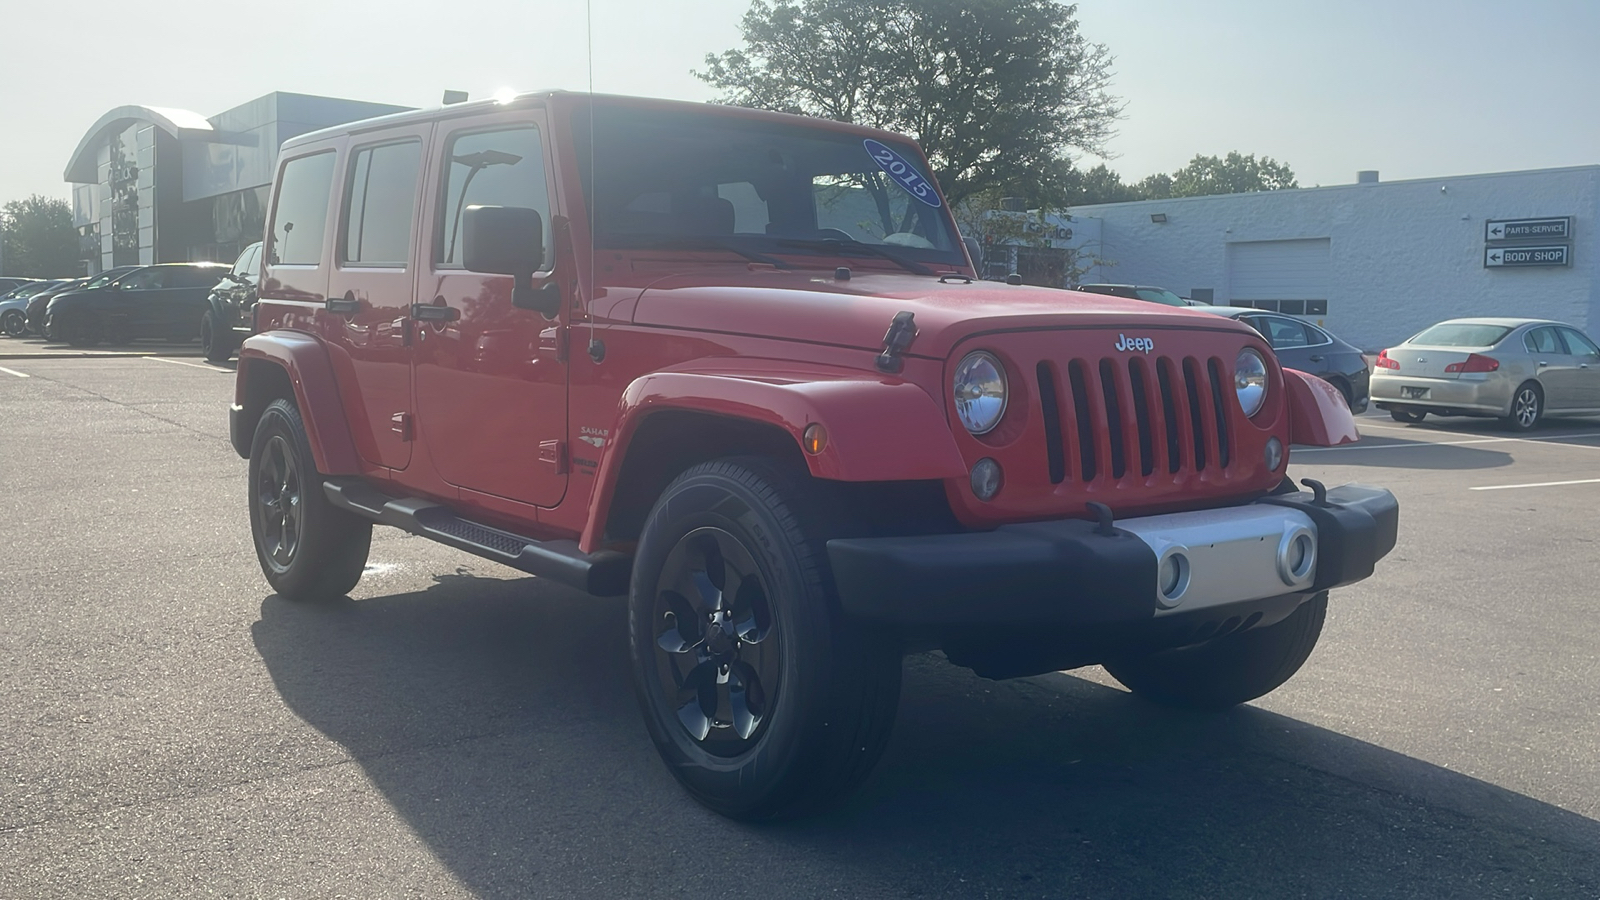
(1065, 573)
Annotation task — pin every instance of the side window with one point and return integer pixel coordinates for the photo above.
(301, 216)
(490, 168)
(146, 280)
(1285, 334)
(195, 276)
(1543, 340)
(1579, 344)
(380, 199)
(247, 260)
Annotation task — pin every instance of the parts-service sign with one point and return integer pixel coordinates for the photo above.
(902, 172)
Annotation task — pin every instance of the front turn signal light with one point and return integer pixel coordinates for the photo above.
(815, 439)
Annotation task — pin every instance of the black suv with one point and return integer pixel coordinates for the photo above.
(230, 307)
(164, 301)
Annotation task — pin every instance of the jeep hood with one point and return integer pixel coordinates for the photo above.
(814, 307)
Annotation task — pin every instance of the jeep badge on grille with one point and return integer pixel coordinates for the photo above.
(1143, 345)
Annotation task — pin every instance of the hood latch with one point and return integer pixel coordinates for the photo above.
(895, 342)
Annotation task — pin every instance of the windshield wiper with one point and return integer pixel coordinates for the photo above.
(845, 248)
(696, 242)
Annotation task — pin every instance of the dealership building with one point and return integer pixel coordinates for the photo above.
(1373, 261)
(152, 184)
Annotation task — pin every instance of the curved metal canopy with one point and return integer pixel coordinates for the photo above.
(180, 123)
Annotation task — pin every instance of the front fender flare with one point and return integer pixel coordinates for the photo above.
(1318, 416)
(304, 360)
(879, 428)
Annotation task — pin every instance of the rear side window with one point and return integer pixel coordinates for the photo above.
(145, 280)
(196, 277)
(380, 200)
(301, 216)
(491, 168)
(1544, 340)
(1461, 335)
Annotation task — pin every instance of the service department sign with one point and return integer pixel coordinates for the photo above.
(1520, 257)
(1552, 228)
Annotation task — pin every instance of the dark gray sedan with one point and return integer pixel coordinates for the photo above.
(1301, 345)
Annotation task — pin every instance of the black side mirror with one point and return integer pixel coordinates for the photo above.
(509, 240)
(974, 251)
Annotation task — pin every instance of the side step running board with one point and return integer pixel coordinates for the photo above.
(604, 574)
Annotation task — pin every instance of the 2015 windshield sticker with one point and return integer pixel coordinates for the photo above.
(902, 172)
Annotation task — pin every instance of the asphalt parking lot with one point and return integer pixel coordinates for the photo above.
(168, 727)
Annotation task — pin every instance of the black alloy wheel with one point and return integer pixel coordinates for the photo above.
(1527, 408)
(716, 644)
(762, 698)
(308, 548)
(14, 322)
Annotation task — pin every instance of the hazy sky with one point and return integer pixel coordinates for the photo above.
(1412, 88)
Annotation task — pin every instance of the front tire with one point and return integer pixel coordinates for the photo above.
(215, 342)
(1228, 671)
(1527, 408)
(15, 323)
(761, 697)
(308, 548)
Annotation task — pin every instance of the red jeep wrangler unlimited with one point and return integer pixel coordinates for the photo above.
(735, 365)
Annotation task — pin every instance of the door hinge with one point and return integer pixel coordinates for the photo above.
(554, 339)
(554, 453)
(400, 423)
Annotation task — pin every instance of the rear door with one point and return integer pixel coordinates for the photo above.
(1586, 356)
(135, 308)
(370, 289)
(1556, 369)
(491, 379)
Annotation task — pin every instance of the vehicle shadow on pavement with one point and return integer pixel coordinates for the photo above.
(498, 718)
(1398, 453)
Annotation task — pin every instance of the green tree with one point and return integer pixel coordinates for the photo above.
(1233, 174)
(997, 92)
(40, 241)
(1101, 185)
(1155, 187)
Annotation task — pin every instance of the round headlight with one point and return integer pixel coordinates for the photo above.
(1250, 380)
(980, 392)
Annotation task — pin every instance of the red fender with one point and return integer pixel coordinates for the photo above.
(880, 428)
(1318, 415)
(315, 392)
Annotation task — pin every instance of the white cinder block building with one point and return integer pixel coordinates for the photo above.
(1373, 261)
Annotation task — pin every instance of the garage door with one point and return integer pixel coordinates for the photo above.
(1289, 276)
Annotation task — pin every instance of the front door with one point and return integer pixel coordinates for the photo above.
(491, 379)
(1587, 358)
(370, 291)
(1555, 367)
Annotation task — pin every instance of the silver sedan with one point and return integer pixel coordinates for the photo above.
(1516, 370)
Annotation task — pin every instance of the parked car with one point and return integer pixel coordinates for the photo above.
(1517, 370)
(1308, 348)
(164, 301)
(736, 365)
(38, 303)
(230, 307)
(11, 283)
(1137, 292)
(14, 305)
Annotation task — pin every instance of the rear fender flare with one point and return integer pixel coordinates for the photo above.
(879, 429)
(1318, 416)
(304, 360)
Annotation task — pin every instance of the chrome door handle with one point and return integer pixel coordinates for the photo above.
(1543, 364)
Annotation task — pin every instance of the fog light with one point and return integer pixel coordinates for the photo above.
(1274, 455)
(1297, 557)
(986, 479)
(1172, 579)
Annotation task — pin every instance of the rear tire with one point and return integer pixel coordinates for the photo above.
(308, 548)
(762, 698)
(1407, 415)
(1527, 408)
(1228, 671)
(14, 322)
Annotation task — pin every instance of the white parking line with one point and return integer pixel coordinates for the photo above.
(1498, 440)
(15, 372)
(179, 362)
(1507, 487)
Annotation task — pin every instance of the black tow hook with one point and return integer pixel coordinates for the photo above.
(1319, 492)
(1102, 512)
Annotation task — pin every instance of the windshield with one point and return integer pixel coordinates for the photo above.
(667, 178)
(1159, 295)
(1459, 335)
